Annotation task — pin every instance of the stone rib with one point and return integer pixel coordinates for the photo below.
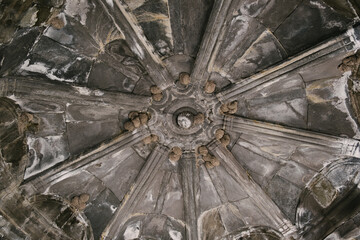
(71, 166)
(343, 146)
(344, 43)
(126, 23)
(32, 88)
(254, 191)
(188, 171)
(210, 39)
(143, 181)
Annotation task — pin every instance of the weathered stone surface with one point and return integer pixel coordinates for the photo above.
(9, 231)
(207, 189)
(153, 16)
(188, 24)
(238, 39)
(212, 225)
(78, 112)
(73, 35)
(326, 69)
(124, 166)
(82, 135)
(264, 52)
(51, 124)
(23, 14)
(142, 87)
(154, 226)
(272, 16)
(256, 163)
(105, 77)
(320, 197)
(283, 101)
(230, 217)
(256, 217)
(296, 174)
(250, 180)
(45, 152)
(279, 187)
(13, 54)
(232, 191)
(331, 114)
(173, 204)
(100, 211)
(313, 20)
(51, 59)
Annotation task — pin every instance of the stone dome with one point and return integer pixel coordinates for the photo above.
(179, 119)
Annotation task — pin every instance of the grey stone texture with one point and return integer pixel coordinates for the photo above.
(78, 162)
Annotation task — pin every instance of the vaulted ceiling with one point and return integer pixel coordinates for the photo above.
(179, 119)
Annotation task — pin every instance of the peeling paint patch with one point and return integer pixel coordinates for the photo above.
(44, 153)
(113, 208)
(317, 4)
(39, 67)
(175, 235)
(98, 93)
(77, 9)
(110, 3)
(58, 34)
(132, 231)
(83, 90)
(332, 24)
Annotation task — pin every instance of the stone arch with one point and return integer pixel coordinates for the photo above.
(329, 199)
(152, 226)
(66, 217)
(254, 233)
(13, 148)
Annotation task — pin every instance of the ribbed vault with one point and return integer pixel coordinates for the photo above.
(179, 119)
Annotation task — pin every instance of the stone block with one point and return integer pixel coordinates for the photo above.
(230, 216)
(118, 171)
(232, 189)
(296, 173)
(13, 54)
(105, 77)
(173, 205)
(252, 214)
(326, 118)
(264, 52)
(254, 162)
(51, 59)
(310, 23)
(100, 210)
(285, 195)
(51, 124)
(93, 112)
(273, 15)
(209, 197)
(73, 35)
(45, 152)
(84, 135)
